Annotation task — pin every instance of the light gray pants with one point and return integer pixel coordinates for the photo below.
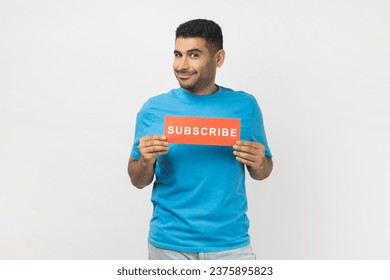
(244, 253)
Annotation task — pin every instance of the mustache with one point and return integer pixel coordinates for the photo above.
(184, 72)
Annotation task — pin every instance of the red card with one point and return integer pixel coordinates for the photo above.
(204, 131)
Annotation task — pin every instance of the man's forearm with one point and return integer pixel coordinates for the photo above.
(263, 171)
(140, 173)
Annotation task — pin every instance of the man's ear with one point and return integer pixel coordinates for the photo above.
(220, 57)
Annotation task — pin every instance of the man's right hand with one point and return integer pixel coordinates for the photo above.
(152, 146)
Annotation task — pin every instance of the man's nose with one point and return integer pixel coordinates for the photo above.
(183, 63)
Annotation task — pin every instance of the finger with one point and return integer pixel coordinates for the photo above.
(250, 147)
(246, 149)
(249, 150)
(242, 143)
(246, 161)
(247, 156)
(159, 153)
(150, 139)
(153, 137)
(154, 148)
(153, 155)
(247, 143)
(249, 162)
(151, 143)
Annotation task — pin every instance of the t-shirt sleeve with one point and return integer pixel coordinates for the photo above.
(257, 128)
(141, 129)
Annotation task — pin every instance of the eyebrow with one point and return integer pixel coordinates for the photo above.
(189, 51)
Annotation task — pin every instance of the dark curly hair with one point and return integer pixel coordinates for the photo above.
(202, 28)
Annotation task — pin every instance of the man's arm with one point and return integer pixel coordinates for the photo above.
(263, 171)
(141, 171)
(252, 154)
(140, 174)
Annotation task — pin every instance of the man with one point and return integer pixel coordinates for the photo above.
(199, 194)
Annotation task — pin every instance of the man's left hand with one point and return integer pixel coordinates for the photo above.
(250, 153)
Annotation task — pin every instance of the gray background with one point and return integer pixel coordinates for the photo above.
(73, 75)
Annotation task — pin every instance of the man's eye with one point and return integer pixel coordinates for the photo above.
(194, 55)
(177, 54)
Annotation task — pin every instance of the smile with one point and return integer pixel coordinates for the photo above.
(184, 75)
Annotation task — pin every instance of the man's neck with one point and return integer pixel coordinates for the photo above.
(207, 91)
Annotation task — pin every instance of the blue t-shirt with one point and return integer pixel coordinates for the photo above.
(199, 198)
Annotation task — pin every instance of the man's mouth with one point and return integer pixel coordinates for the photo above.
(185, 75)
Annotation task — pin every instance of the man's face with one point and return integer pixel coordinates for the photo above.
(194, 66)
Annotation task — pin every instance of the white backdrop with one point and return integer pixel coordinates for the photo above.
(73, 75)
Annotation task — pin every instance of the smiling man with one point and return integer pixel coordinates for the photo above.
(195, 65)
(199, 198)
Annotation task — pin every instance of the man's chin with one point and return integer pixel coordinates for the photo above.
(187, 87)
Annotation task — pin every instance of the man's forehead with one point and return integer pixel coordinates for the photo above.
(185, 44)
